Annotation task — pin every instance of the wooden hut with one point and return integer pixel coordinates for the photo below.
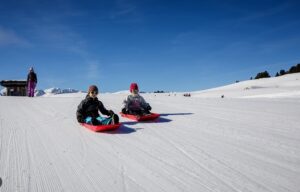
(14, 87)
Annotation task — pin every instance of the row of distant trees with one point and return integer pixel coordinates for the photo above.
(158, 91)
(293, 69)
(265, 74)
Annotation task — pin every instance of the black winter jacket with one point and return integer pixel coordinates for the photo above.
(90, 107)
(31, 77)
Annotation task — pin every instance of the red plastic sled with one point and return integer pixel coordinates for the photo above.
(98, 128)
(151, 116)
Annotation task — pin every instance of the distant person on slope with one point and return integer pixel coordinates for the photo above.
(135, 104)
(88, 110)
(31, 82)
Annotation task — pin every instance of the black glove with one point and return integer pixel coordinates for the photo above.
(95, 121)
(124, 110)
(80, 119)
(149, 108)
(110, 112)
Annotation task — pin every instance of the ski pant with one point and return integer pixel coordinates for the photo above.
(137, 112)
(30, 88)
(98, 121)
(102, 120)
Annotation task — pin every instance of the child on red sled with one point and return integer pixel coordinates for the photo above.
(88, 110)
(135, 104)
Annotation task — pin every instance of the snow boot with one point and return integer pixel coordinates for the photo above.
(114, 119)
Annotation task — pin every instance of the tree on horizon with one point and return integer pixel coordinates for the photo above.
(264, 74)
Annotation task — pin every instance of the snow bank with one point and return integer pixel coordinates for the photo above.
(56, 90)
(38, 93)
(274, 87)
(122, 92)
(3, 91)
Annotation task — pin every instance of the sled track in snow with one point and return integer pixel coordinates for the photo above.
(197, 145)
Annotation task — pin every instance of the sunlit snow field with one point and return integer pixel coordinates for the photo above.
(247, 141)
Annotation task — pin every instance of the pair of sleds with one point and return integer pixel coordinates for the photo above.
(99, 128)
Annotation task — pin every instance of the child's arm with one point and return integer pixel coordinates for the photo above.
(104, 111)
(127, 102)
(80, 112)
(144, 104)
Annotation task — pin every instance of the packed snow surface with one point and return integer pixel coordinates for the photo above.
(200, 143)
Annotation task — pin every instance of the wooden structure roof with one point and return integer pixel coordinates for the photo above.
(9, 83)
(14, 87)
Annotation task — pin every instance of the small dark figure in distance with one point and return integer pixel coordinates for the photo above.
(31, 82)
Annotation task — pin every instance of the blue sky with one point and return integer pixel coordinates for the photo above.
(160, 44)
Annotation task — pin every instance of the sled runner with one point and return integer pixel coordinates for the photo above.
(98, 128)
(147, 117)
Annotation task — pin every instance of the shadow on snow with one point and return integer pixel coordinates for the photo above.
(122, 130)
(170, 114)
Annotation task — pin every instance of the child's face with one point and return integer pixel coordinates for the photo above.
(135, 91)
(93, 94)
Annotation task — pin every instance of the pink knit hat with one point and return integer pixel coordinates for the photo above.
(133, 86)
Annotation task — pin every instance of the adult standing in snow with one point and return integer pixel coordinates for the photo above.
(88, 110)
(31, 82)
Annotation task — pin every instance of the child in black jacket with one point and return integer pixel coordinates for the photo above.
(88, 110)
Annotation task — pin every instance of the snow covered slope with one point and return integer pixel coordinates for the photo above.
(196, 145)
(55, 91)
(2, 91)
(275, 87)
